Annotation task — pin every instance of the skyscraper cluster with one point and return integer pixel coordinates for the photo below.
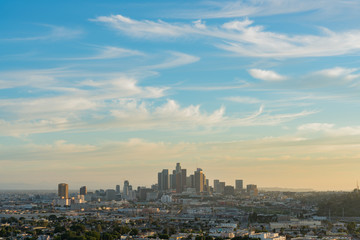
(179, 181)
(222, 188)
(176, 181)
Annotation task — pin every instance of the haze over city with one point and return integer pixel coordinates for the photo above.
(94, 93)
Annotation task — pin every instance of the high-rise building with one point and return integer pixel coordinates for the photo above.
(192, 181)
(207, 185)
(183, 179)
(160, 183)
(117, 189)
(204, 183)
(178, 182)
(164, 180)
(188, 182)
(216, 185)
(178, 167)
(126, 188)
(172, 179)
(110, 194)
(143, 193)
(178, 179)
(252, 189)
(199, 180)
(221, 187)
(63, 190)
(239, 185)
(83, 190)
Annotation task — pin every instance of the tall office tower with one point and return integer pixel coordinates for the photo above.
(63, 190)
(188, 181)
(207, 185)
(83, 190)
(164, 180)
(239, 185)
(173, 180)
(216, 185)
(160, 183)
(176, 178)
(199, 180)
(252, 189)
(204, 184)
(221, 188)
(178, 182)
(183, 179)
(178, 167)
(126, 188)
(117, 189)
(192, 181)
(110, 194)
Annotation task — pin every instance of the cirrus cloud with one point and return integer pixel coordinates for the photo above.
(266, 75)
(242, 38)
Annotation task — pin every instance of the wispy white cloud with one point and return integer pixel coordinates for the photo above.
(39, 78)
(239, 8)
(71, 113)
(254, 41)
(266, 75)
(72, 104)
(144, 28)
(177, 59)
(250, 8)
(336, 76)
(55, 33)
(240, 99)
(244, 39)
(172, 116)
(329, 129)
(212, 88)
(169, 115)
(108, 52)
(61, 147)
(339, 72)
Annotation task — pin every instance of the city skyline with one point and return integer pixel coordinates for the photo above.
(97, 93)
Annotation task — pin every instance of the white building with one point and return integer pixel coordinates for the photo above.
(166, 199)
(267, 236)
(63, 202)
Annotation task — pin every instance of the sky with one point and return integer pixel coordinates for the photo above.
(97, 92)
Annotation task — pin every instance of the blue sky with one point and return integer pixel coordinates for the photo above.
(93, 93)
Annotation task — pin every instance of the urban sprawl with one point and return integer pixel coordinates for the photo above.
(178, 207)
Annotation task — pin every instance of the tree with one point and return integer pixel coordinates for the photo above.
(98, 228)
(79, 228)
(134, 231)
(92, 235)
(351, 226)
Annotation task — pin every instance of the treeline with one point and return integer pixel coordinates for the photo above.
(347, 205)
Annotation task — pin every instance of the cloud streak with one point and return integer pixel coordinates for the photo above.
(108, 52)
(266, 75)
(329, 129)
(239, 8)
(177, 59)
(55, 33)
(242, 38)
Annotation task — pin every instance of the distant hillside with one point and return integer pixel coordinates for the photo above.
(347, 204)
